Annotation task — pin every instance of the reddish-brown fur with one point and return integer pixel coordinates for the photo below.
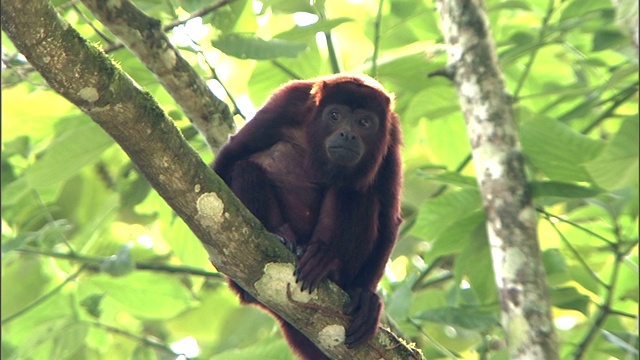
(343, 219)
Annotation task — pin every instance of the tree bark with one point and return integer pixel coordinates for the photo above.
(511, 217)
(627, 17)
(144, 36)
(237, 244)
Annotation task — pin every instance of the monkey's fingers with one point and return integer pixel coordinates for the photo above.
(366, 308)
(314, 265)
(287, 237)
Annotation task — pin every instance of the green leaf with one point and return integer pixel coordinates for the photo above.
(253, 47)
(91, 304)
(457, 235)
(608, 39)
(67, 154)
(579, 8)
(510, 4)
(617, 165)
(399, 303)
(555, 266)
(437, 215)
(569, 298)
(289, 6)
(145, 294)
(475, 264)
(562, 189)
(451, 178)
(304, 33)
(267, 349)
(466, 318)
(557, 150)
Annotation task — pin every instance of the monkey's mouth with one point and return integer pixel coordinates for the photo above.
(343, 155)
(343, 148)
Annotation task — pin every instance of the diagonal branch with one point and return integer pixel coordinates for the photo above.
(144, 36)
(237, 244)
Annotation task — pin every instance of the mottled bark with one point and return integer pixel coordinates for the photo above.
(236, 243)
(627, 17)
(511, 217)
(144, 36)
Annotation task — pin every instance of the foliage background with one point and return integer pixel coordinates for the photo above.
(95, 265)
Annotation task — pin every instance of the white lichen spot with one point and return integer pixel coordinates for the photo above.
(331, 336)
(518, 332)
(275, 280)
(114, 5)
(89, 94)
(46, 59)
(482, 111)
(527, 216)
(197, 188)
(168, 57)
(514, 260)
(210, 210)
(470, 87)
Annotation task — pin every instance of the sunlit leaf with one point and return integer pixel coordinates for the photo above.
(466, 318)
(617, 165)
(146, 294)
(557, 150)
(68, 154)
(253, 47)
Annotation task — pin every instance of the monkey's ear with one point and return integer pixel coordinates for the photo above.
(317, 91)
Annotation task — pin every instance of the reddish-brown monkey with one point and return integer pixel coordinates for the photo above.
(320, 166)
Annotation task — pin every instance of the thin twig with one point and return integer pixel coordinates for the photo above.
(376, 41)
(199, 13)
(93, 262)
(534, 53)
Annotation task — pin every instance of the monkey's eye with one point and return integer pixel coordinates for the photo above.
(334, 115)
(364, 122)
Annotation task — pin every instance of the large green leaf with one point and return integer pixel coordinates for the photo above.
(466, 318)
(252, 47)
(617, 165)
(304, 33)
(437, 215)
(67, 154)
(458, 234)
(557, 150)
(561, 189)
(146, 294)
(569, 298)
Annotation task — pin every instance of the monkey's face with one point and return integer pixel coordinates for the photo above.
(349, 133)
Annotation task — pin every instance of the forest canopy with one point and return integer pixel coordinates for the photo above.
(96, 265)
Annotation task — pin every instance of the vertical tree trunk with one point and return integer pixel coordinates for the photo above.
(511, 217)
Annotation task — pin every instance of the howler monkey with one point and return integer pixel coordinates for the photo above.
(320, 166)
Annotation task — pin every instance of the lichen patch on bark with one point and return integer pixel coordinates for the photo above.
(210, 210)
(274, 281)
(331, 336)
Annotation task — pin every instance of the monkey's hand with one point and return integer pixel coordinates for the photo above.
(315, 264)
(365, 308)
(288, 238)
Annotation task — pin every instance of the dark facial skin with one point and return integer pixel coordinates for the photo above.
(348, 128)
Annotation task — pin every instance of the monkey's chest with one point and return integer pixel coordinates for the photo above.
(298, 190)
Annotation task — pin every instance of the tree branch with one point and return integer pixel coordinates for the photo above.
(145, 37)
(237, 244)
(511, 217)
